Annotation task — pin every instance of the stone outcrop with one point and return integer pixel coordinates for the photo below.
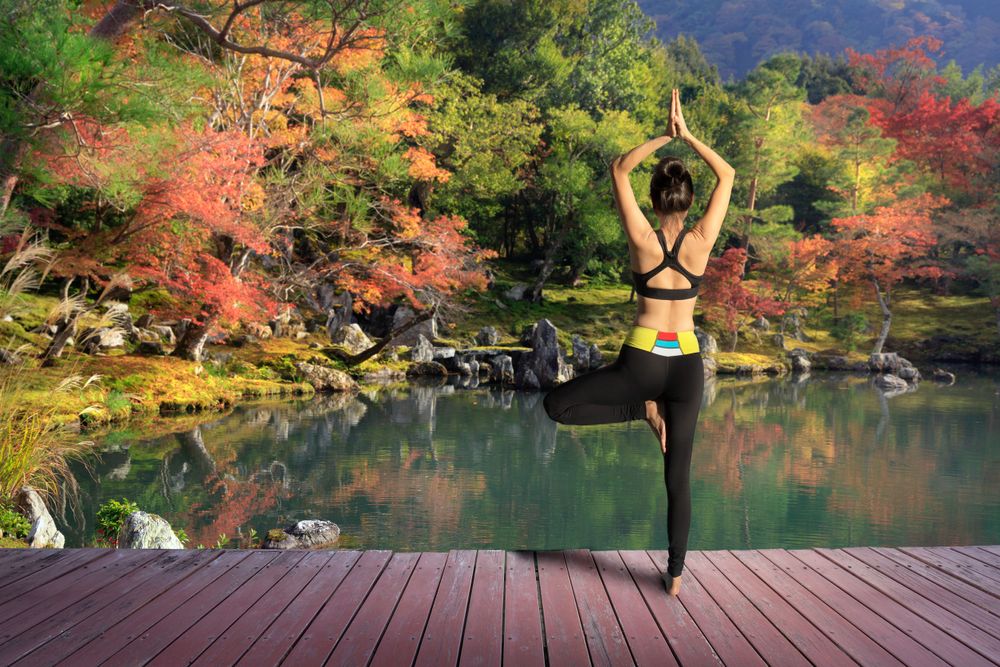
(142, 530)
(800, 360)
(433, 368)
(401, 316)
(892, 363)
(43, 533)
(546, 361)
(307, 534)
(422, 351)
(890, 382)
(487, 336)
(326, 379)
(351, 337)
(706, 342)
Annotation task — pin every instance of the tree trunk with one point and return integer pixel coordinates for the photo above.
(736, 337)
(883, 304)
(549, 265)
(352, 360)
(66, 326)
(192, 344)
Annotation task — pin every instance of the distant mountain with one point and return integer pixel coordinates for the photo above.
(737, 34)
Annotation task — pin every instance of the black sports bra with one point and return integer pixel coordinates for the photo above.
(669, 259)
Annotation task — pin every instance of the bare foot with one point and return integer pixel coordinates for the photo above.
(655, 411)
(673, 584)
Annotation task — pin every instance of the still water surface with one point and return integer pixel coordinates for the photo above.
(826, 461)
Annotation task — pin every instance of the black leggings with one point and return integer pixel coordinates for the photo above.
(617, 393)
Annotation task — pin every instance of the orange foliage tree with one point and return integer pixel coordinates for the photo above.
(885, 247)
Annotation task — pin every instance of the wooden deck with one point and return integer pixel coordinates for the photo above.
(863, 605)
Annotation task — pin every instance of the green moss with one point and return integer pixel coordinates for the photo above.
(12, 543)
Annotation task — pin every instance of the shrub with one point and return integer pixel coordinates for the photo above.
(849, 328)
(12, 522)
(110, 517)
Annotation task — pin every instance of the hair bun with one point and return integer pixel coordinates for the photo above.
(675, 170)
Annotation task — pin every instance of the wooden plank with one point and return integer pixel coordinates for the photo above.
(322, 635)
(482, 641)
(992, 548)
(605, 638)
(646, 642)
(152, 638)
(48, 600)
(954, 602)
(98, 601)
(117, 636)
(968, 563)
(932, 557)
(60, 568)
(894, 640)
(68, 641)
(560, 618)
(682, 633)
(768, 641)
(193, 641)
(22, 562)
(980, 554)
(522, 619)
(851, 639)
(818, 647)
(401, 639)
(966, 590)
(362, 635)
(973, 637)
(281, 635)
(442, 638)
(234, 641)
(932, 637)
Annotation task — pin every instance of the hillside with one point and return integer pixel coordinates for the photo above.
(737, 34)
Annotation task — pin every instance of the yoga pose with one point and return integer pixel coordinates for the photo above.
(658, 375)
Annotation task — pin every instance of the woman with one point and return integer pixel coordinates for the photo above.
(658, 375)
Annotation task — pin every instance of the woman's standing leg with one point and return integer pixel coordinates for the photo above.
(616, 392)
(683, 400)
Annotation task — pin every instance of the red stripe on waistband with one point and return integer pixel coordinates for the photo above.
(666, 335)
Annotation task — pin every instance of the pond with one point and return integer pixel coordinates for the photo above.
(825, 460)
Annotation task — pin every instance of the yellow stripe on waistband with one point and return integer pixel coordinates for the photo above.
(644, 338)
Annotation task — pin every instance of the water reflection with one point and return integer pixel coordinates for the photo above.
(822, 460)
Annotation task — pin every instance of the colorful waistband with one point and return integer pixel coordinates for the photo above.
(664, 343)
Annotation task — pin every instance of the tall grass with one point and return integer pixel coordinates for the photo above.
(35, 449)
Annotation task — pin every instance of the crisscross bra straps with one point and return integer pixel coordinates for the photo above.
(669, 259)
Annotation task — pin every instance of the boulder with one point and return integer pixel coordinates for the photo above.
(351, 337)
(779, 340)
(503, 369)
(142, 530)
(43, 533)
(800, 360)
(401, 316)
(891, 362)
(423, 350)
(101, 338)
(518, 292)
(443, 352)
(761, 323)
(307, 534)
(487, 336)
(165, 333)
(710, 364)
(426, 368)
(706, 342)
(325, 379)
(581, 355)
(145, 321)
(596, 358)
(119, 314)
(546, 360)
(527, 379)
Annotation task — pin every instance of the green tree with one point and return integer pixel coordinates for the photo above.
(770, 131)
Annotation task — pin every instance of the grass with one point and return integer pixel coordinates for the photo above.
(34, 449)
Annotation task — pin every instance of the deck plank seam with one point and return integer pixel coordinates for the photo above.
(250, 606)
(953, 572)
(899, 624)
(611, 604)
(395, 606)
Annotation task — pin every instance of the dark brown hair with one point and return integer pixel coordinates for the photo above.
(671, 187)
